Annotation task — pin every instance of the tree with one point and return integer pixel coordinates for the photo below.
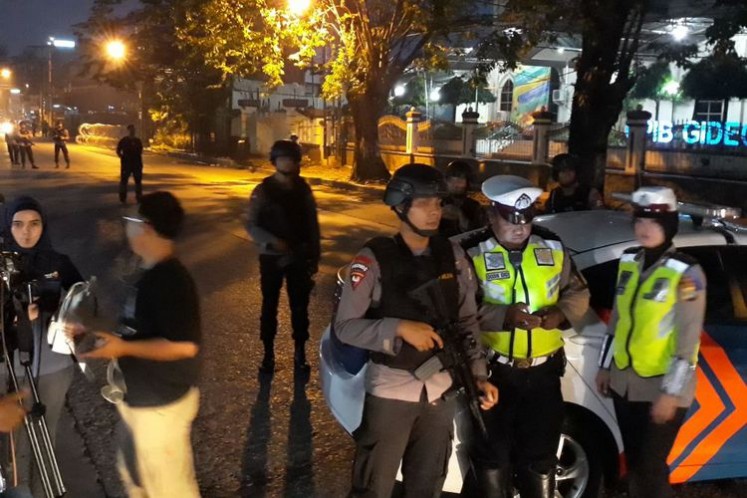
(175, 83)
(372, 43)
(457, 91)
(722, 77)
(611, 38)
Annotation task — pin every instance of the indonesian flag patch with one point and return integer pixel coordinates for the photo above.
(358, 270)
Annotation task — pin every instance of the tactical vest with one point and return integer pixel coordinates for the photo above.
(645, 336)
(561, 203)
(401, 272)
(530, 276)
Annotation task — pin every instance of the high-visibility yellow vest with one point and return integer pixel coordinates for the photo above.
(535, 282)
(645, 332)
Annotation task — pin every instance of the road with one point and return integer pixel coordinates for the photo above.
(252, 438)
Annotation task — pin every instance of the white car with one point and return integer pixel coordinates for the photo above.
(712, 443)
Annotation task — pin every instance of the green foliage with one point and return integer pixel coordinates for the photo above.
(650, 80)
(457, 91)
(721, 77)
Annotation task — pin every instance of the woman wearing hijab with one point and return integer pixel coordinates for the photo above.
(648, 359)
(27, 233)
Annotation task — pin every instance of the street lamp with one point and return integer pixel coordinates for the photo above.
(53, 43)
(5, 73)
(298, 7)
(115, 50)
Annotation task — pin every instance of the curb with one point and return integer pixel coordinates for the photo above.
(312, 180)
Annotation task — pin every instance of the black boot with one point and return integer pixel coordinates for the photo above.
(493, 483)
(299, 357)
(268, 361)
(537, 485)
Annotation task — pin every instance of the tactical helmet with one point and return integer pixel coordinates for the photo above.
(459, 169)
(412, 181)
(564, 161)
(285, 148)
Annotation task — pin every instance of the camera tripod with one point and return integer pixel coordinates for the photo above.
(34, 422)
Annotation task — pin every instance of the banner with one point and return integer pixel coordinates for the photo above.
(531, 91)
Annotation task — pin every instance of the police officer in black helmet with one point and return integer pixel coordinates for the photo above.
(461, 213)
(406, 418)
(282, 220)
(570, 194)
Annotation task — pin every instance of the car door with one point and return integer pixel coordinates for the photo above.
(712, 443)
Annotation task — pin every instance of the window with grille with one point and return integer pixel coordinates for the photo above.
(708, 110)
(507, 96)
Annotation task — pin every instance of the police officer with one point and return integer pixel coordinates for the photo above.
(648, 360)
(282, 220)
(570, 195)
(529, 288)
(25, 141)
(406, 418)
(130, 152)
(61, 136)
(460, 212)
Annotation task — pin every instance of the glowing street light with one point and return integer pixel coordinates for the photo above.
(5, 73)
(671, 88)
(680, 32)
(435, 95)
(399, 90)
(61, 43)
(298, 7)
(115, 50)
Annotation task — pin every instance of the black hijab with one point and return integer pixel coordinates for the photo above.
(24, 203)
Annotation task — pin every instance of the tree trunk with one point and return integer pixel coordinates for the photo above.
(597, 101)
(366, 109)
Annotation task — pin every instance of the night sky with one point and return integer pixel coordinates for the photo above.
(31, 22)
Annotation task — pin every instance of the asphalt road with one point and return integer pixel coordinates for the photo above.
(252, 438)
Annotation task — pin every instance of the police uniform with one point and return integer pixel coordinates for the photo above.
(60, 136)
(526, 365)
(405, 418)
(652, 347)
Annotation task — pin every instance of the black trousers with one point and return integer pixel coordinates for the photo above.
(63, 148)
(12, 153)
(524, 427)
(26, 152)
(136, 171)
(417, 434)
(647, 446)
(298, 286)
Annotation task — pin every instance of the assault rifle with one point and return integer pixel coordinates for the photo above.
(454, 356)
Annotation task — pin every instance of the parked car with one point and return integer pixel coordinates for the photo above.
(712, 443)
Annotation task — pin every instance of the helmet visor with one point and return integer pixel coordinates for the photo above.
(515, 216)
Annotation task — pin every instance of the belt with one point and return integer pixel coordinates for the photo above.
(521, 362)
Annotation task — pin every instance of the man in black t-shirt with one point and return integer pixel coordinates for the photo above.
(156, 351)
(130, 152)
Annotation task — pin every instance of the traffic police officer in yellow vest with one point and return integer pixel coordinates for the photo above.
(648, 360)
(529, 288)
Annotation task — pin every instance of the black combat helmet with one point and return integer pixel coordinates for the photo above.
(412, 181)
(285, 148)
(459, 169)
(562, 162)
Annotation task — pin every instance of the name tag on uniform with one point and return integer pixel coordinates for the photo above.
(494, 261)
(497, 275)
(544, 256)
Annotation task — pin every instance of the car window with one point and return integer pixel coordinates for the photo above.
(726, 289)
(602, 279)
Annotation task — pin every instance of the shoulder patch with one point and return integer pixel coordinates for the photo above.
(472, 239)
(359, 270)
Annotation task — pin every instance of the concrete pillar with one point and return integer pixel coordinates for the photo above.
(413, 138)
(635, 158)
(541, 144)
(469, 124)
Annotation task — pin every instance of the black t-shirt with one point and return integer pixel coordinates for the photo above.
(166, 306)
(130, 149)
